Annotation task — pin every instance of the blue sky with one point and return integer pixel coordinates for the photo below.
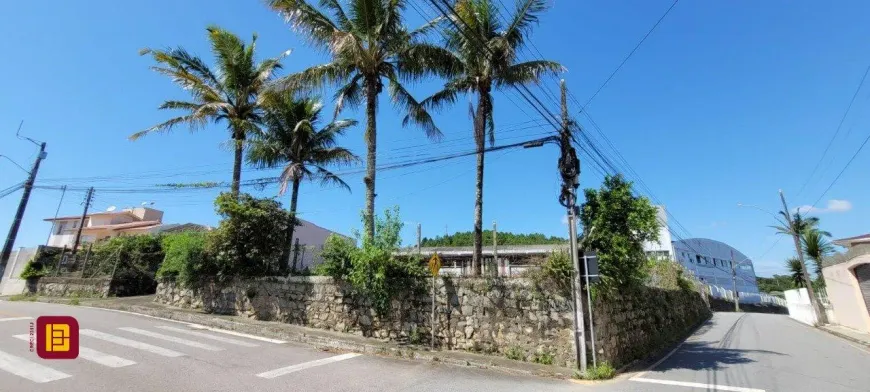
(727, 102)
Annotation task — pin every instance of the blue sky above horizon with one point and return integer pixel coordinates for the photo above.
(725, 103)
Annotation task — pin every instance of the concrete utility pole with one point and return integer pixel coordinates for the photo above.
(19, 214)
(494, 248)
(734, 283)
(419, 237)
(88, 200)
(821, 317)
(60, 203)
(569, 169)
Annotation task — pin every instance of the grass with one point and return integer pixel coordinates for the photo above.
(544, 358)
(23, 297)
(515, 353)
(601, 372)
(75, 301)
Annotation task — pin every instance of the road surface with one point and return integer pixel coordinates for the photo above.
(733, 352)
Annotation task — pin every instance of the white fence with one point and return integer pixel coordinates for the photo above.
(799, 306)
(745, 298)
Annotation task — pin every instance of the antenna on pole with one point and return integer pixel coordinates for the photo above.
(18, 135)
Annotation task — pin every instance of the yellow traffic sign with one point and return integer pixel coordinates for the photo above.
(434, 264)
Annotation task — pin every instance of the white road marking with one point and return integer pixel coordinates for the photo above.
(234, 333)
(130, 343)
(29, 370)
(172, 339)
(15, 318)
(94, 356)
(709, 387)
(302, 366)
(207, 336)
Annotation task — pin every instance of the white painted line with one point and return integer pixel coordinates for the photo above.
(94, 356)
(15, 318)
(306, 365)
(138, 314)
(130, 343)
(172, 339)
(29, 370)
(207, 336)
(709, 387)
(239, 334)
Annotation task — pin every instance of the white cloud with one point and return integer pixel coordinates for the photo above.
(834, 205)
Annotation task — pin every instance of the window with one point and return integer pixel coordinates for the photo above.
(60, 227)
(698, 258)
(75, 224)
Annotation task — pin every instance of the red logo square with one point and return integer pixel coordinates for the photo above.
(57, 337)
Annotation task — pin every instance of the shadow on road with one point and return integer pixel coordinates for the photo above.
(708, 356)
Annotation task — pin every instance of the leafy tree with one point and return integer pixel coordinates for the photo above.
(368, 45)
(185, 259)
(231, 93)
(796, 226)
(293, 141)
(777, 283)
(796, 271)
(617, 224)
(466, 238)
(249, 241)
(487, 54)
(816, 248)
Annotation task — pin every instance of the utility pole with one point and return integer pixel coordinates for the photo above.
(60, 203)
(419, 237)
(821, 317)
(734, 283)
(22, 205)
(88, 199)
(494, 248)
(569, 169)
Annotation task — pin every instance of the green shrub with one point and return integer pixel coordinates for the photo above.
(668, 275)
(134, 260)
(34, 269)
(554, 276)
(515, 353)
(185, 258)
(601, 372)
(337, 254)
(23, 297)
(251, 238)
(544, 358)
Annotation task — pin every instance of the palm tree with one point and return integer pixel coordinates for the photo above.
(796, 272)
(369, 45)
(291, 140)
(230, 94)
(487, 53)
(816, 248)
(795, 226)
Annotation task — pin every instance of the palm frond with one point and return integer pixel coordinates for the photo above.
(329, 178)
(195, 121)
(524, 17)
(349, 95)
(310, 22)
(420, 60)
(416, 113)
(527, 72)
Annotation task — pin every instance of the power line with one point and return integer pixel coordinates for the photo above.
(842, 171)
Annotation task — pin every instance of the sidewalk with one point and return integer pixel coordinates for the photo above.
(321, 339)
(861, 338)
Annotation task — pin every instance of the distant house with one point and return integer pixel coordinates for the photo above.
(311, 239)
(108, 224)
(847, 281)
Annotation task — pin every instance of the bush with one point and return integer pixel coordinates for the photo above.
(554, 276)
(134, 261)
(515, 353)
(337, 254)
(34, 269)
(544, 358)
(601, 372)
(251, 238)
(185, 258)
(668, 275)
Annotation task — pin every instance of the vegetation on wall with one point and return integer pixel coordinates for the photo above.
(775, 284)
(132, 261)
(466, 238)
(34, 269)
(185, 258)
(616, 224)
(668, 275)
(554, 276)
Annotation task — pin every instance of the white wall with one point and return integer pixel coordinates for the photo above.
(10, 284)
(664, 242)
(62, 240)
(312, 237)
(799, 306)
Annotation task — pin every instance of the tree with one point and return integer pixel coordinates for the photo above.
(775, 284)
(617, 224)
(368, 44)
(231, 93)
(795, 226)
(816, 248)
(293, 141)
(486, 51)
(795, 271)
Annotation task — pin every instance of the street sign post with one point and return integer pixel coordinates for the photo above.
(434, 268)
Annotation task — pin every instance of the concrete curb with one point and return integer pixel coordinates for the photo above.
(863, 343)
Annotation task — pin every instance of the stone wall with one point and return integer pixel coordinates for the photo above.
(67, 287)
(485, 315)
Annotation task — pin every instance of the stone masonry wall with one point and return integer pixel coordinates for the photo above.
(486, 315)
(66, 287)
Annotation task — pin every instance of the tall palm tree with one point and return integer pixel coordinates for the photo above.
(795, 226)
(795, 271)
(231, 93)
(292, 140)
(816, 248)
(369, 45)
(487, 52)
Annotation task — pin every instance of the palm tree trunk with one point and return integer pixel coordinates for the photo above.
(237, 165)
(483, 108)
(371, 161)
(817, 306)
(294, 197)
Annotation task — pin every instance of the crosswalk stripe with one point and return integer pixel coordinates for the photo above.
(171, 339)
(207, 336)
(306, 365)
(94, 356)
(15, 318)
(130, 343)
(29, 370)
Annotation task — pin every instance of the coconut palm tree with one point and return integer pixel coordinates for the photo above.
(231, 93)
(368, 45)
(816, 247)
(487, 51)
(795, 271)
(292, 141)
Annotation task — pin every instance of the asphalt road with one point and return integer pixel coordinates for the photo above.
(733, 352)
